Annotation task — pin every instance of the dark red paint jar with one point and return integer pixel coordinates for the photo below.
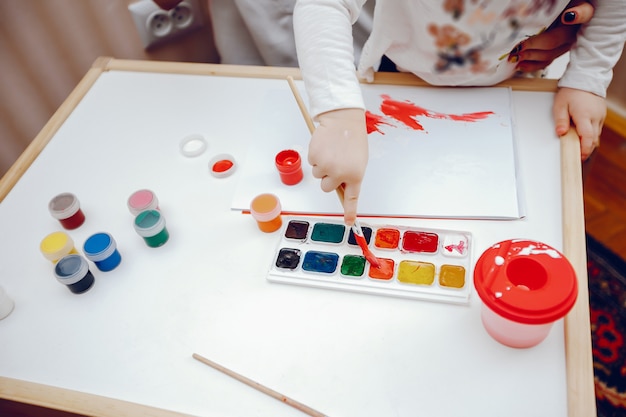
(65, 208)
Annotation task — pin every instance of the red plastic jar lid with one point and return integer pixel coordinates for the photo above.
(526, 281)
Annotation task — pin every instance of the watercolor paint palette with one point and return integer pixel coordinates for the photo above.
(417, 263)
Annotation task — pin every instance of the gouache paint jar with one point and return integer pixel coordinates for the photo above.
(57, 245)
(65, 208)
(6, 304)
(265, 208)
(525, 286)
(101, 249)
(289, 166)
(142, 200)
(150, 225)
(222, 166)
(73, 271)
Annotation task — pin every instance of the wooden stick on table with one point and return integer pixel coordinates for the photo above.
(280, 397)
(301, 105)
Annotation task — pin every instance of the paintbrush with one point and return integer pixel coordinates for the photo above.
(356, 227)
(280, 397)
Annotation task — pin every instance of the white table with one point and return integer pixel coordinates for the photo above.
(125, 346)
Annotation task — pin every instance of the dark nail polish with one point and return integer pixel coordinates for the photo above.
(516, 50)
(569, 17)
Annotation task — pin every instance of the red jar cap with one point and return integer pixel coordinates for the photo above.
(526, 281)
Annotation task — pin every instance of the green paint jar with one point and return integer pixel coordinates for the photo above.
(150, 225)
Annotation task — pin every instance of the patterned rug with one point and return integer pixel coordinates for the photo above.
(607, 298)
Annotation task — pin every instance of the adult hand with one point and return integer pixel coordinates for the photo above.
(537, 52)
(338, 153)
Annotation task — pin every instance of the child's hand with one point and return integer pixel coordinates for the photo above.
(338, 153)
(586, 111)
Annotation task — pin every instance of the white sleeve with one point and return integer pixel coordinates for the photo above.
(598, 48)
(323, 34)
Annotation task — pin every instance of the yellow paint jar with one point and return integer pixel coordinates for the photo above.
(57, 245)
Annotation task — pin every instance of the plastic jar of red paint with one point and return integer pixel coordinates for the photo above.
(101, 249)
(289, 166)
(266, 209)
(57, 245)
(222, 165)
(73, 271)
(150, 225)
(142, 200)
(525, 286)
(65, 208)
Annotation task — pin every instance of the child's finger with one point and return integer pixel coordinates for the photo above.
(329, 183)
(587, 136)
(561, 115)
(350, 203)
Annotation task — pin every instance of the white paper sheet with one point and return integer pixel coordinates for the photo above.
(454, 159)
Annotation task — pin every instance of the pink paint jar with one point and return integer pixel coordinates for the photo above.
(65, 208)
(142, 200)
(525, 286)
(289, 166)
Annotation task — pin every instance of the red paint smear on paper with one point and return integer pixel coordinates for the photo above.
(373, 122)
(403, 111)
(407, 112)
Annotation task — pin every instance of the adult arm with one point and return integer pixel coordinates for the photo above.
(537, 52)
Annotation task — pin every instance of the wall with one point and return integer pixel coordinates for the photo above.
(46, 46)
(617, 89)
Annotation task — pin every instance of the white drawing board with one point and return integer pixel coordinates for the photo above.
(434, 152)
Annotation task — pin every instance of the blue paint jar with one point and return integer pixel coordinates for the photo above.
(73, 271)
(101, 249)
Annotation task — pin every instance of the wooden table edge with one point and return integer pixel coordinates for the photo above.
(74, 401)
(578, 354)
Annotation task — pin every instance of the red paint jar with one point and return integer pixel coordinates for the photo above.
(525, 286)
(289, 166)
(222, 166)
(65, 208)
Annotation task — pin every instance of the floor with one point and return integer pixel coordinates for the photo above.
(605, 220)
(605, 193)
